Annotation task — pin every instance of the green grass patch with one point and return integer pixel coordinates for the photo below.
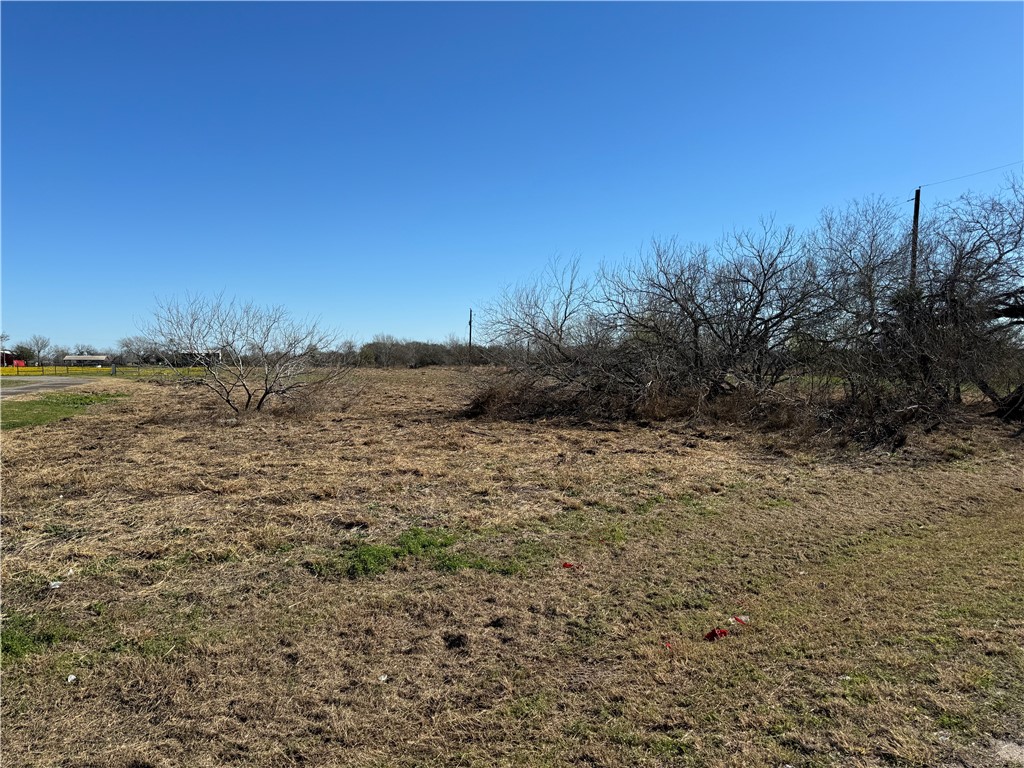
(365, 560)
(50, 407)
(370, 560)
(417, 542)
(23, 634)
(647, 505)
(670, 746)
(609, 534)
(534, 706)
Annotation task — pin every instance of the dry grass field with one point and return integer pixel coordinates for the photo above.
(386, 584)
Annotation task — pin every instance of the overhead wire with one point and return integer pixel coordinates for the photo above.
(965, 176)
(977, 173)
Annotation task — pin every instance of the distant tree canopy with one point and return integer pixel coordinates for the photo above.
(386, 351)
(833, 310)
(23, 351)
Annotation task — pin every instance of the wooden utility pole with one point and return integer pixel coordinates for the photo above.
(913, 239)
(470, 328)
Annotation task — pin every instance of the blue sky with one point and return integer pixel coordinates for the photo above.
(388, 166)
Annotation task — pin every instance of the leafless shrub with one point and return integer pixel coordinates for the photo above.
(329, 395)
(558, 345)
(772, 327)
(249, 355)
(514, 397)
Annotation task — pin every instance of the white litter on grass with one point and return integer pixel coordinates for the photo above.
(72, 678)
(56, 584)
(383, 678)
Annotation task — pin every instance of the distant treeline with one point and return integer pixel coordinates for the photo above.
(390, 352)
(384, 351)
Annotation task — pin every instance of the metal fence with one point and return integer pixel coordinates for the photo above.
(147, 371)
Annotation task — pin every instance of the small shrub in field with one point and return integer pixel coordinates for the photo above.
(507, 398)
(334, 396)
(250, 356)
(523, 397)
(958, 450)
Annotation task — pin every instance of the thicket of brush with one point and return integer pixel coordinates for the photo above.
(834, 326)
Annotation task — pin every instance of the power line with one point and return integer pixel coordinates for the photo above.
(967, 176)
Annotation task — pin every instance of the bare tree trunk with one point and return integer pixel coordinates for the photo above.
(1009, 408)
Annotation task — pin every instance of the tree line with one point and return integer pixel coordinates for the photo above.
(832, 320)
(40, 350)
(383, 351)
(857, 321)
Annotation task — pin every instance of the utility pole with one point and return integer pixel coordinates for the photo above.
(914, 318)
(471, 328)
(913, 239)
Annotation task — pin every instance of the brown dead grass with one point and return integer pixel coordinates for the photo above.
(885, 590)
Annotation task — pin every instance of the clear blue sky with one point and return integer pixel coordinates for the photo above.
(388, 166)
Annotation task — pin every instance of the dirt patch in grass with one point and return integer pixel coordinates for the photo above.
(390, 585)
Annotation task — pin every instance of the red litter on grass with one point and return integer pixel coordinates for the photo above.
(716, 634)
(568, 565)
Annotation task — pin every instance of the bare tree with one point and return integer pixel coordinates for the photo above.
(763, 293)
(58, 353)
(138, 350)
(346, 354)
(39, 344)
(564, 348)
(658, 306)
(546, 317)
(250, 355)
(975, 295)
(862, 258)
(699, 322)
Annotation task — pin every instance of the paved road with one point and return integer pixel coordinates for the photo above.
(38, 384)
